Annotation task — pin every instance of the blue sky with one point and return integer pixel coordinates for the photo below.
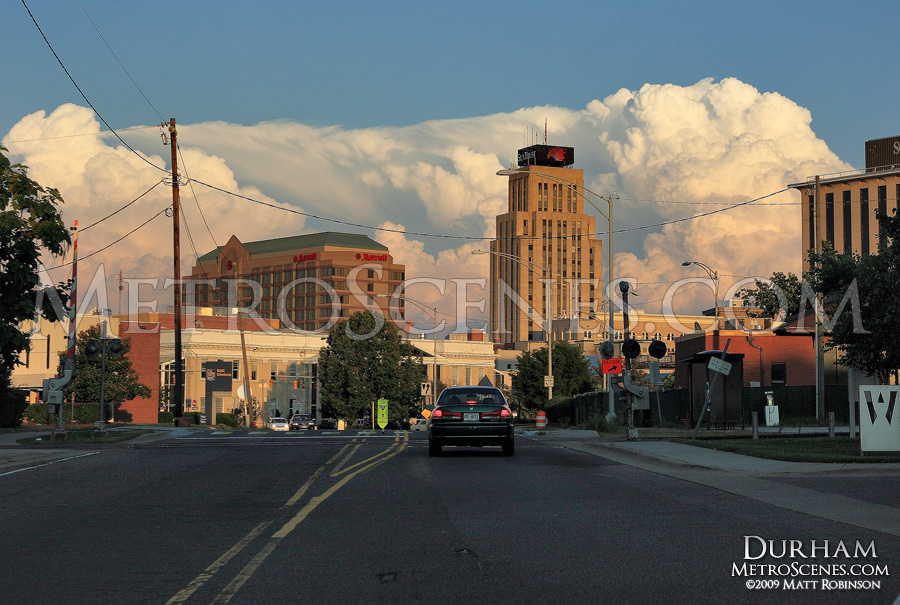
(397, 115)
(364, 64)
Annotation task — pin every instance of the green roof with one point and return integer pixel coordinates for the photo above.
(299, 242)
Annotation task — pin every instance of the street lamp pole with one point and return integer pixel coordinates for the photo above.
(549, 323)
(714, 276)
(433, 311)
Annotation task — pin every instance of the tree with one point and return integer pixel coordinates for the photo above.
(778, 297)
(571, 374)
(30, 224)
(364, 360)
(121, 382)
(864, 334)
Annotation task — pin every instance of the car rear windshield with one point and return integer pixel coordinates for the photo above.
(483, 395)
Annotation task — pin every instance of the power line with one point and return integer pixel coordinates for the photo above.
(82, 134)
(112, 243)
(474, 237)
(123, 207)
(118, 61)
(84, 96)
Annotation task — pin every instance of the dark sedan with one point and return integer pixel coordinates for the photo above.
(302, 421)
(473, 416)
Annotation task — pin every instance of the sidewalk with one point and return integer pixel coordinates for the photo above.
(670, 454)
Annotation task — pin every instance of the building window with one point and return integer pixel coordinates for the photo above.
(235, 370)
(848, 223)
(779, 374)
(864, 221)
(882, 206)
(829, 218)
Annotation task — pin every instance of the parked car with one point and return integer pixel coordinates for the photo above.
(471, 416)
(278, 424)
(418, 424)
(302, 421)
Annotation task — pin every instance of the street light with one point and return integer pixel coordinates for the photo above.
(433, 311)
(714, 276)
(579, 190)
(534, 268)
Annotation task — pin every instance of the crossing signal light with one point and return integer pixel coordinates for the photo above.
(114, 347)
(92, 348)
(657, 349)
(631, 348)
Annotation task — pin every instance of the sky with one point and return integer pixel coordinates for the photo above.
(392, 119)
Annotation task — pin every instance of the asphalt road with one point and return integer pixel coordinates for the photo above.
(322, 518)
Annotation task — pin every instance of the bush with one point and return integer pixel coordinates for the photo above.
(559, 410)
(602, 424)
(328, 424)
(227, 419)
(13, 403)
(80, 413)
(165, 418)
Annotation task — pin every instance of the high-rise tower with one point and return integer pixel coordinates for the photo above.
(553, 242)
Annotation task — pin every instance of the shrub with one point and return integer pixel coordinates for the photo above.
(80, 413)
(166, 418)
(559, 410)
(227, 419)
(13, 403)
(328, 424)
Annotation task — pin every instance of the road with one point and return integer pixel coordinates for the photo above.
(248, 517)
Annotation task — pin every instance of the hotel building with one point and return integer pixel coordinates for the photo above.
(307, 282)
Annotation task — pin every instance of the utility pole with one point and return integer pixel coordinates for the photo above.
(820, 358)
(178, 394)
(626, 376)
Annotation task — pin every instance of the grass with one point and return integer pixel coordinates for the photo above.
(86, 436)
(796, 449)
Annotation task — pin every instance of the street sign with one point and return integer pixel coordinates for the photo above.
(425, 389)
(612, 365)
(548, 381)
(382, 413)
(426, 413)
(720, 366)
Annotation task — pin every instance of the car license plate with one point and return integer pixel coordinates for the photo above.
(471, 416)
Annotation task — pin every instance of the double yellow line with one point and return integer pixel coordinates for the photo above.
(399, 444)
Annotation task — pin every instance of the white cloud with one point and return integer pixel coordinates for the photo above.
(712, 142)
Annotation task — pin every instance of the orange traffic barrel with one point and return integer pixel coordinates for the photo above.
(541, 420)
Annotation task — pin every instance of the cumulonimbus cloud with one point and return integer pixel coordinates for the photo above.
(670, 152)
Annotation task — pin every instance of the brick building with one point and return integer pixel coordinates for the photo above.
(307, 282)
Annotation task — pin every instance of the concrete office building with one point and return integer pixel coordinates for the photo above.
(844, 214)
(545, 225)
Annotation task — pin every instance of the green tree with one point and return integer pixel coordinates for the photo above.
(30, 224)
(121, 382)
(777, 297)
(364, 360)
(571, 374)
(864, 334)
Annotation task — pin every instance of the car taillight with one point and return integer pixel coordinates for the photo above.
(501, 413)
(442, 414)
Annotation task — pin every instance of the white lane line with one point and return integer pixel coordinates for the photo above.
(47, 463)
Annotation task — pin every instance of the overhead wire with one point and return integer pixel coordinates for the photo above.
(475, 237)
(118, 61)
(81, 92)
(111, 244)
(158, 183)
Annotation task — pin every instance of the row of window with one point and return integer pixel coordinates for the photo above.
(863, 214)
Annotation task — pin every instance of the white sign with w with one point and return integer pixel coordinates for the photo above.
(879, 418)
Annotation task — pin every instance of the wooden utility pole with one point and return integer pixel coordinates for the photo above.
(178, 394)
